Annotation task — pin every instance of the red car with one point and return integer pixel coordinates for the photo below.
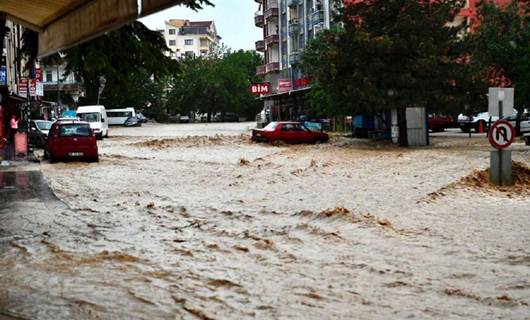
(289, 132)
(71, 139)
(439, 123)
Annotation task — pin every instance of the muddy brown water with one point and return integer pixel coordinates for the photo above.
(194, 234)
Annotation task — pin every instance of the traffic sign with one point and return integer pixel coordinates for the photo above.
(501, 134)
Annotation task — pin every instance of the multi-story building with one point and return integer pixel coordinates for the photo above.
(190, 38)
(288, 25)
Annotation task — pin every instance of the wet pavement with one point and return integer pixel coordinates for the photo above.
(177, 222)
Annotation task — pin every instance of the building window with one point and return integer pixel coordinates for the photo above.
(190, 54)
(188, 42)
(172, 43)
(49, 76)
(171, 31)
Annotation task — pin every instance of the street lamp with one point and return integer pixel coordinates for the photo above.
(102, 82)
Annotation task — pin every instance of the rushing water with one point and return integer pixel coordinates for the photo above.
(200, 236)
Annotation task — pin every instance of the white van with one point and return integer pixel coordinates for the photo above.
(97, 117)
(118, 116)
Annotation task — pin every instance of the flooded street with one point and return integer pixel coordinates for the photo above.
(197, 222)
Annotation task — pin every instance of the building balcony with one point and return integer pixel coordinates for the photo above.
(259, 20)
(261, 70)
(293, 3)
(260, 45)
(272, 39)
(318, 17)
(294, 58)
(272, 10)
(273, 67)
(294, 26)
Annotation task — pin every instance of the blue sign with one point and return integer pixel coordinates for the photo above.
(3, 75)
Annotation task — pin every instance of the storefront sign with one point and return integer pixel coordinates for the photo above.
(3, 76)
(260, 88)
(302, 83)
(32, 87)
(23, 88)
(39, 89)
(285, 85)
(38, 74)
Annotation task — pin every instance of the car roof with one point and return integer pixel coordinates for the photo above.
(71, 121)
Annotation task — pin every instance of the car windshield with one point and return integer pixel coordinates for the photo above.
(74, 130)
(271, 126)
(89, 117)
(44, 125)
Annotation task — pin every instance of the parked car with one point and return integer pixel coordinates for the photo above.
(71, 139)
(482, 119)
(141, 117)
(97, 117)
(132, 122)
(227, 117)
(38, 132)
(184, 118)
(288, 132)
(438, 123)
(524, 122)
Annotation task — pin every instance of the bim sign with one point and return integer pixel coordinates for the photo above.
(260, 88)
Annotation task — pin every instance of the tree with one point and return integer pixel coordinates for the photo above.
(131, 59)
(501, 47)
(392, 54)
(216, 83)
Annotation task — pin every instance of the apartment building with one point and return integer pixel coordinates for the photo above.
(190, 38)
(288, 25)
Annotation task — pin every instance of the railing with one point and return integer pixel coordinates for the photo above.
(293, 26)
(260, 45)
(261, 70)
(259, 20)
(273, 67)
(272, 9)
(272, 39)
(294, 58)
(318, 17)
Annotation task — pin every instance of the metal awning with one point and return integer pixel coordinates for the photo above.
(65, 23)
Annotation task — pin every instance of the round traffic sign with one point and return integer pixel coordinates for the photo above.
(501, 134)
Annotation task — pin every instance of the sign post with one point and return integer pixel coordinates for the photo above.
(501, 135)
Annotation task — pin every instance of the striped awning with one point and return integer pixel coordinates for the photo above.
(65, 23)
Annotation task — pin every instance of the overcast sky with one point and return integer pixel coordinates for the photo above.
(234, 20)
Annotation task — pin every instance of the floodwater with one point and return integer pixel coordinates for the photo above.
(197, 222)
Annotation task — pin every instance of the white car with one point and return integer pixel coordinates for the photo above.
(467, 123)
(525, 122)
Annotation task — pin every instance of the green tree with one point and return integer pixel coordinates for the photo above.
(501, 48)
(391, 54)
(216, 83)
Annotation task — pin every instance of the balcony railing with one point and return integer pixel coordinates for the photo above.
(272, 39)
(294, 58)
(260, 45)
(318, 17)
(294, 26)
(273, 67)
(272, 10)
(261, 70)
(259, 20)
(293, 3)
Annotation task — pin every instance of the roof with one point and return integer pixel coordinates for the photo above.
(65, 23)
(178, 23)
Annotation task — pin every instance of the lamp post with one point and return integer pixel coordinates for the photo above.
(102, 82)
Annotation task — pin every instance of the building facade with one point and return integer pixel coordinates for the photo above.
(190, 38)
(288, 26)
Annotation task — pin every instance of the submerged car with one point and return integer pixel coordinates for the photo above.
(288, 132)
(71, 139)
(38, 132)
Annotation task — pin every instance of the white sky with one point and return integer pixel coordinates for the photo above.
(234, 20)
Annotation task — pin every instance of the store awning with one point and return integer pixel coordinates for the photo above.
(65, 23)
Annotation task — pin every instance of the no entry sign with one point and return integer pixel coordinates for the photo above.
(501, 134)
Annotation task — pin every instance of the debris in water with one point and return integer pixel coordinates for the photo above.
(151, 205)
(243, 162)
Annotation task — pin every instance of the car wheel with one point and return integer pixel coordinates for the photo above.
(527, 141)
(94, 159)
(51, 159)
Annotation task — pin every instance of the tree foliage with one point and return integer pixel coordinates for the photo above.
(216, 83)
(501, 44)
(131, 59)
(392, 54)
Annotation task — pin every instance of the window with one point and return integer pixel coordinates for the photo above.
(49, 76)
(74, 130)
(89, 117)
(171, 31)
(190, 54)
(172, 43)
(188, 42)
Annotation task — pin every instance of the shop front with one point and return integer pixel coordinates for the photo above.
(13, 118)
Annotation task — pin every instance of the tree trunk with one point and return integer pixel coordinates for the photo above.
(403, 139)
